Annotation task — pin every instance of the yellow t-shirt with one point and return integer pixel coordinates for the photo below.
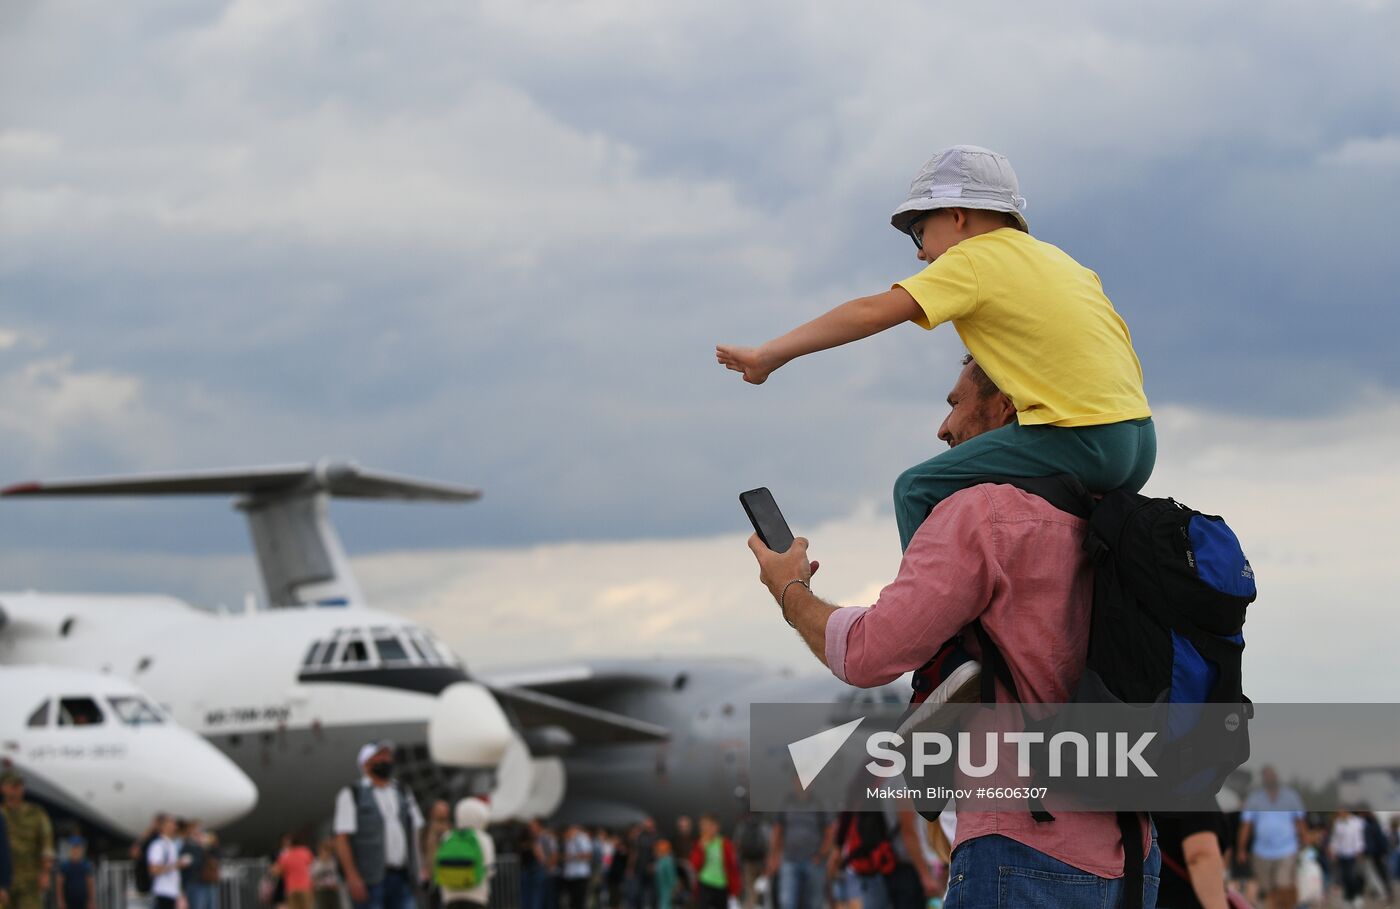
(1039, 325)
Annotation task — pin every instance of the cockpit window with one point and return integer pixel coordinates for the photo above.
(377, 646)
(40, 716)
(354, 653)
(134, 711)
(79, 712)
(445, 656)
(313, 654)
(391, 650)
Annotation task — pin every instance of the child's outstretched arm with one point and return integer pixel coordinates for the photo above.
(851, 321)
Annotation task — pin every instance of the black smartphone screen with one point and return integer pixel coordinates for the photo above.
(768, 521)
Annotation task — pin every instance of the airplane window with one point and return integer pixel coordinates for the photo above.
(311, 653)
(445, 656)
(79, 712)
(423, 643)
(354, 652)
(134, 712)
(390, 650)
(40, 717)
(327, 653)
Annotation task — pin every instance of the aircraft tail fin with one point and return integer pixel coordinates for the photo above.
(340, 479)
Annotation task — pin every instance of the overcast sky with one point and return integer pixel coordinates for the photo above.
(496, 242)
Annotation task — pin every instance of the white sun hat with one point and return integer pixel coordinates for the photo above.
(964, 176)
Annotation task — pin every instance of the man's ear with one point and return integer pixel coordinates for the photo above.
(959, 218)
(1005, 410)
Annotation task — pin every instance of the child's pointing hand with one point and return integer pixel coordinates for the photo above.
(751, 361)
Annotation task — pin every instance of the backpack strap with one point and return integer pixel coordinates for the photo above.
(1131, 831)
(996, 670)
(1063, 491)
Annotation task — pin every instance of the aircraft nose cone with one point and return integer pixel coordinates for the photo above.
(228, 795)
(198, 781)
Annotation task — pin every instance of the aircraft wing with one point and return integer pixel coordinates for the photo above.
(585, 725)
(342, 479)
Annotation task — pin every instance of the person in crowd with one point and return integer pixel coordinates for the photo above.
(200, 876)
(376, 827)
(1273, 815)
(602, 861)
(550, 859)
(641, 870)
(438, 826)
(616, 874)
(1395, 847)
(7, 869)
(751, 842)
(1013, 563)
(717, 876)
(325, 876)
(1347, 848)
(471, 816)
(577, 866)
(912, 883)
(30, 839)
(533, 877)
(1377, 861)
(77, 882)
(293, 866)
(667, 877)
(801, 841)
(681, 845)
(1193, 863)
(165, 863)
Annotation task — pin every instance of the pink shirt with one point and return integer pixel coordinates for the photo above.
(295, 865)
(1010, 558)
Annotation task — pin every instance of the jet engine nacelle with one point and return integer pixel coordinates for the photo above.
(466, 727)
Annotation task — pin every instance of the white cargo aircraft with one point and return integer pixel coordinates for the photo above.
(98, 748)
(289, 693)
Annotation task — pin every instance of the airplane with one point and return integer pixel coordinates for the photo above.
(703, 766)
(289, 693)
(97, 748)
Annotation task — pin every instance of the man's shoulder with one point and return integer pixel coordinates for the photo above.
(1001, 503)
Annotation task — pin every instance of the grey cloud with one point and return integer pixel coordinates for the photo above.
(496, 242)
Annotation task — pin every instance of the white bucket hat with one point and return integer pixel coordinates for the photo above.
(964, 176)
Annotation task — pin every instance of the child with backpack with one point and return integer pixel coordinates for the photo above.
(1036, 320)
(465, 860)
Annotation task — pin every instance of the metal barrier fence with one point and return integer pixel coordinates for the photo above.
(238, 884)
(239, 879)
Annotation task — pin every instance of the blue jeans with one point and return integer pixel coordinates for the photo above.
(873, 893)
(995, 871)
(534, 883)
(800, 885)
(394, 892)
(202, 896)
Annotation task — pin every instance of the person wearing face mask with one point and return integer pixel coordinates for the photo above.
(376, 826)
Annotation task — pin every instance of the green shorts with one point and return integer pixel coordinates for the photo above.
(1103, 458)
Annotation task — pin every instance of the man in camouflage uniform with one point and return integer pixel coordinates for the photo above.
(31, 844)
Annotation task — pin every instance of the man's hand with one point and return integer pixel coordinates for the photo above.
(776, 569)
(754, 362)
(358, 892)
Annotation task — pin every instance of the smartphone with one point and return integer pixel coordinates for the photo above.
(767, 520)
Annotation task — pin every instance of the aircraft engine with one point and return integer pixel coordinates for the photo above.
(466, 727)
